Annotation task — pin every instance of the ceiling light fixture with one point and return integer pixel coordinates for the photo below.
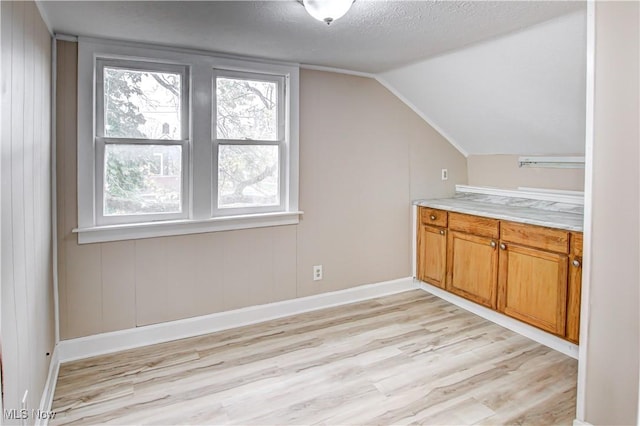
(327, 10)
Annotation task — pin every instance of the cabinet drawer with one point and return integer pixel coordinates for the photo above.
(433, 217)
(535, 236)
(476, 225)
(576, 244)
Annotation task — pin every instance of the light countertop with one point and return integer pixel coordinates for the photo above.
(542, 213)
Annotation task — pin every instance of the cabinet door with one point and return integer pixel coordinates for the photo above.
(472, 267)
(432, 255)
(574, 290)
(573, 304)
(533, 286)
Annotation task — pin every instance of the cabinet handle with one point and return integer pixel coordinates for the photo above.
(442, 232)
(493, 244)
(576, 262)
(433, 217)
(503, 246)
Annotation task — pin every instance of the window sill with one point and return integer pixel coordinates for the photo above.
(134, 231)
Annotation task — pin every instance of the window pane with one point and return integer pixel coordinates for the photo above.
(142, 179)
(142, 104)
(247, 109)
(248, 176)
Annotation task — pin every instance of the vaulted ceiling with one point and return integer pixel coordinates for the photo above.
(523, 93)
(472, 69)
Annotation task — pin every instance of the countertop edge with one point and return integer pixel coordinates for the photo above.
(437, 204)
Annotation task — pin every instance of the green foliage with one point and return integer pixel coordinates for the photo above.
(142, 179)
(125, 173)
(124, 177)
(122, 116)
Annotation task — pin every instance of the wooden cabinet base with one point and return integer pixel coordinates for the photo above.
(432, 244)
(575, 288)
(532, 287)
(530, 273)
(472, 267)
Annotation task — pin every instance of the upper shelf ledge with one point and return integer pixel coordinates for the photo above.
(554, 195)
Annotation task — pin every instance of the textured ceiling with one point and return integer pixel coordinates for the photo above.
(374, 36)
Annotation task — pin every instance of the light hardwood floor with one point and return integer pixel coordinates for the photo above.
(409, 358)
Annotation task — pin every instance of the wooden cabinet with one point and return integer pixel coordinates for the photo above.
(532, 285)
(555, 240)
(433, 217)
(574, 288)
(432, 246)
(473, 267)
(475, 225)
(472, 258)
(528, 272)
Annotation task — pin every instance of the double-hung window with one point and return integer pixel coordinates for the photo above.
(249, 142)
(176, 142)
(141, 141)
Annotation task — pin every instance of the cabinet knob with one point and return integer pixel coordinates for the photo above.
(576, 262)
(442, 232)
(493, 244)
(433, 217)
(503, 246)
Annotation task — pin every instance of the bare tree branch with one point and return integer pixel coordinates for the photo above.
(240, 186)
(166, 84)
(268, 103)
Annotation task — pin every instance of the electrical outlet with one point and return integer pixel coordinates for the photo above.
(317, 272)
(445, 174)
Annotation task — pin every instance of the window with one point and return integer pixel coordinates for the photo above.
(249, 142)
(174, 142)
(141, 117)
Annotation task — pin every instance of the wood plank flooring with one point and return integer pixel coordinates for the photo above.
(409, 358)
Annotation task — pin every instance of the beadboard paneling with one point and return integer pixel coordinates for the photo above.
(27, 288)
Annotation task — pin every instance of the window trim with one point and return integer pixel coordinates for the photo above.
(98, 234)
(201, 65)
(101, 141)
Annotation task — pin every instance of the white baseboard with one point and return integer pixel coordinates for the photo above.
(542, 337)
(99, 344)
(49, 388)
(577, 422)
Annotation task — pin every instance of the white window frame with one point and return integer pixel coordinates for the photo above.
(101, 141)
(280, 141)
(200, 170)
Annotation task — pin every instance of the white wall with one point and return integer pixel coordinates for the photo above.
(27, 293)
(613, 333)
(518, 94)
